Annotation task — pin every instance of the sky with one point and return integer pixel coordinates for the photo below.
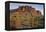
(36, 6)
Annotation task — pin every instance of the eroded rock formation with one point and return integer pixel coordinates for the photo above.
(23, 16)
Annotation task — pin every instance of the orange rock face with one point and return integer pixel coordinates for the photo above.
(22, 15)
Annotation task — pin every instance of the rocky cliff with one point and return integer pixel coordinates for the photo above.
(27, 9)
(23, 17)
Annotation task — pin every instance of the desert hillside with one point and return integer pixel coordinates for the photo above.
(25, 17)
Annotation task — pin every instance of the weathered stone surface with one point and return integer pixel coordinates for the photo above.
(23, 16)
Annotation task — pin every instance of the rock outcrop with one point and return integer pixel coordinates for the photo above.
(22, 16)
